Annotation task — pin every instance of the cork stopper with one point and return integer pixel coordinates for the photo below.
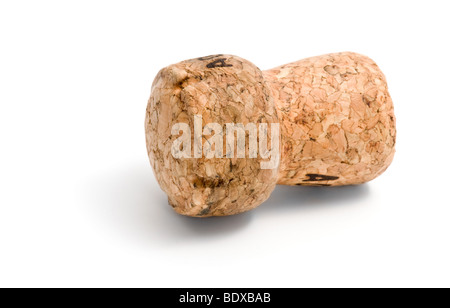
(337, 120)
(334, 113)
(219, 89)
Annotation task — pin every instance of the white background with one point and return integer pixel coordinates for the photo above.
(79, 205)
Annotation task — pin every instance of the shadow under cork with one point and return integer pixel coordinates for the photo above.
(130, 201)
(293, 198)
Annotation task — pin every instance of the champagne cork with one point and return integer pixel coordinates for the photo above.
(221, 133)
(337, 120)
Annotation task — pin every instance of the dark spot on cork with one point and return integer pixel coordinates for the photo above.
(199, 77)
(218, 63)
(368, 100)
(331, 69)
(211, 183)
(232, 166)
(312, 177)
(313, 184)
(204, 211)
(209, 57)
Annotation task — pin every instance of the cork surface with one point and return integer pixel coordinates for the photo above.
(222, 89)
(337, 120)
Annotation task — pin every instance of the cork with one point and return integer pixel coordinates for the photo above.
(222, 89)
(336, 120)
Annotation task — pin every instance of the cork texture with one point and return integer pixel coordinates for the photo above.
(222, 89)
(337, 120)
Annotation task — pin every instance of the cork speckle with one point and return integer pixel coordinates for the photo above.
(218, 63)
(319, 177)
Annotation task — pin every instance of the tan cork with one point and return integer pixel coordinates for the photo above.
(336, 122)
